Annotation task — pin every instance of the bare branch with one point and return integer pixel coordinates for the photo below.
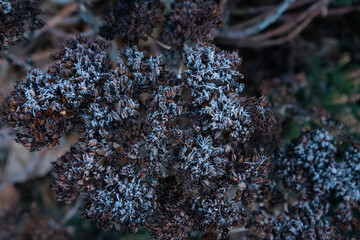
(13, 59)
(261, 25)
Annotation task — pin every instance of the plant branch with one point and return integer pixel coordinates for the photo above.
(13, 59)
(260, 26)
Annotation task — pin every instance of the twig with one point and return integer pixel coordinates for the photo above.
(66, 35)
(222, 5)
(13, 59)
(161, 44)
(344, 10)
(271, 18)
(250, 22)
(315, 8)
(291, 28)
(72, 211)
(292, 35)
(297, 30)
(260, 17)
(33, 57)
(260, 9)
(278, 41)
(88, 17)
(59, 18)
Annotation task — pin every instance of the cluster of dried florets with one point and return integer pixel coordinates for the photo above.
(321, 171)
(191, 21)
(131, 20)
(158, 149)
(46, 105)
(188, 21)
(310, 167)
(15, 15)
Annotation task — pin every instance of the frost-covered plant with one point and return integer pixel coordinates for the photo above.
(15, 15)
(303, 220)
(311, 167)
(319, 177)
(167, 151)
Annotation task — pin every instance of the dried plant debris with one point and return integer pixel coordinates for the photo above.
(131, 20)
(32, 224)
(157, 150)
(191, 21)
(187, 22)
(15, 17)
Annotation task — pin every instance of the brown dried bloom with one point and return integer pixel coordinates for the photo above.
(131, 20)
(320, 170)
(15, 15)
(191, 21)
(171, 153)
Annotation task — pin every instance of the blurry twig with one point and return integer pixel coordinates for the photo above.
(87, 15)
(13, 59)
(264, 8)
(72, 211)
(59, 18)
(66, 35)
(261, 25)
(256, 32)
(343, 10)
(161, 44)
(20, 61)
(291, 35)
(295, 27)
(222, 5)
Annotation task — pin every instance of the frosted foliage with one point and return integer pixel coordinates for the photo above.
(218, 212)
(204, 161)
(348, 173)
(170, 152)
(312, 164)
(304, 221)
(5, 6)
(126, 203)
(211, 71)
(227, 114)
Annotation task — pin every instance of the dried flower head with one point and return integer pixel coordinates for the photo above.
(171, 153)
(45, 106)
(311, 167)
(321, 168)
(15, 15)
(303, 221)
(131, 20)
(191, 21)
